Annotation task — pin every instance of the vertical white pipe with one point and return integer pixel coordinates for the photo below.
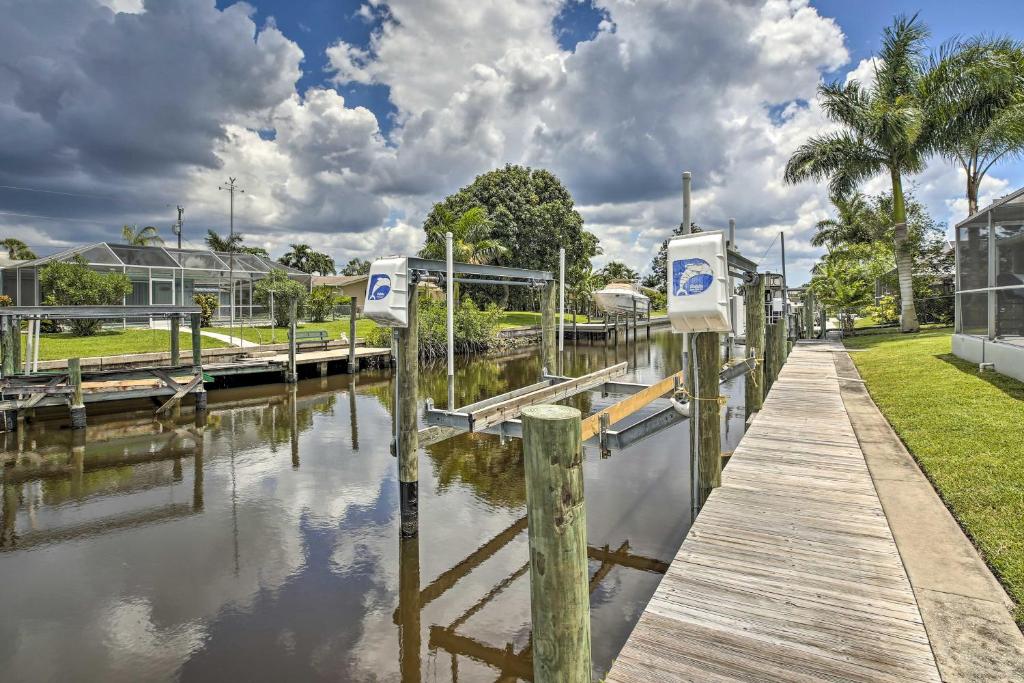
(450, 322)
(732, 293)
(687, 176)
(35, 348)
(28, 346)
(561, 300)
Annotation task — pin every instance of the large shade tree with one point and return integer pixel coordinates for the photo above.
(531, 215)
(883, 130)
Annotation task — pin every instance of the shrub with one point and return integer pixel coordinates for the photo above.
(885, 311)
(207, 304)
(379, 337)
(6, 300)
(320, 303)
(475, 329)
(285, 291)
(73, 283)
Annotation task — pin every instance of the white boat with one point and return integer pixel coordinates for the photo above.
(618, 297)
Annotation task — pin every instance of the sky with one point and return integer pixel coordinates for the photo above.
(346, 120)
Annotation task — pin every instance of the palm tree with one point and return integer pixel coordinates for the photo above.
(471, 237)
(583, 283)
(974, 92)
(617, 270)
(146, 237)
(17, 250)
(853, 216)
(217, 243)
(884, 130)
(841, 286)
(321, 263)
(298, 257)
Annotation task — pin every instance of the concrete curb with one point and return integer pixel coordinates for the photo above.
(965, 610)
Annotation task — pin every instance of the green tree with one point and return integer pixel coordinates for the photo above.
(321, 264)
(582, 283)
(17, 250)
(658, 277)
(974, 93)
(148, 236)
(532, 216)
(320, 303)
(883, 130)
(471, 237)
(218, 243)
(304, 258)
(852, 224)
(842, 286)
(73, 283)
(356, 266)
(255, 251)
(207, 304)
(285, 291)
(618, 271)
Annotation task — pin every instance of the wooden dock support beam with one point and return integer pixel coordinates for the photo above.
(753, 300)
(705, 432)
(7, 334)
(353, 362)
(548, 330)
(197, 360)
(771, 355)
(559, 580)
(175, 340)
(291, 374)
(407, 349)
(77, 402)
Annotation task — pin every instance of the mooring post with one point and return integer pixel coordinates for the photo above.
(753, 299)
(16, 332)
(10, 362)
(783, 345)
(293, 420)
(353, 363)
(175, 341)
(291, 375)
(407, 348)
(548, 339)
(771, 355)
(197, 360)
(705, 434)
(77, 403)
(557, 522)
(409, 633)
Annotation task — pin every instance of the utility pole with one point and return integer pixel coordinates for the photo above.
(176, 229)
(232, 189)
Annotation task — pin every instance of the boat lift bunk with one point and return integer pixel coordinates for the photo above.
(500, 414)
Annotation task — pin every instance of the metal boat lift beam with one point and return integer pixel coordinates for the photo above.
(480, 270)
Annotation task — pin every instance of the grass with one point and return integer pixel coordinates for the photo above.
(865, 321)
(511, 319)
(964, 428)
(113, 343)
(262, 334)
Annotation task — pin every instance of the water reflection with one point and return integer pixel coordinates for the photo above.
(261, 540)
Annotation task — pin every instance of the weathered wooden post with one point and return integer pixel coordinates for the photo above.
(353, 364)
(175, 341)
(353, 420)
(293, 419)
(10, 361)
(407, 348)
(783, 346)
(77, 402)
(548, 334)
(556, 514)
(753, 300)
(16, 331)
(197, 360)
(291, 375)
(705, 413)
(197, 466)
(771, 355)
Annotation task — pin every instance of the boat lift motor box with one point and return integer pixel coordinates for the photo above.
(387, 292)
(698, 283)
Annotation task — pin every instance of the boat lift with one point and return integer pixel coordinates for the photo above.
(500, 414)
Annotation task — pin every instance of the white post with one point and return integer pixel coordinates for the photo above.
(561, 302)
(28, 346)
(35, 348)
(732, 293)
(273, 325)
(450, 318)
(687, 176)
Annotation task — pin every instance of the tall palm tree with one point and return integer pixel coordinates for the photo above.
(17, 250)
(617, 270)
(217, 243)
(146, 237)
(853, 216)
(583, 282)
(321, 263)
(884, 130)
(974, 92)
(471, 238)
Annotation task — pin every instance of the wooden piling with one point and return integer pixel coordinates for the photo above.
(353, 362)
(771, 355)
(548, 331)
(77, 402)
(409, 631)
(753, 300)
(175, 340)
(556, 513)
(407, 348)
(705, 430)
(291, 375)
(197, 360)
(7, 333)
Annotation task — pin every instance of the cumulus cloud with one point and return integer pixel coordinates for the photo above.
(144, 106)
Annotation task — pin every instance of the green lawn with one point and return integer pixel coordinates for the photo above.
(112, 343)
(965, 429)
(262, 334)
(864, 321)
(531, 319)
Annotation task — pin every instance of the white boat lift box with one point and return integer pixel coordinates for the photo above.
(698, 283)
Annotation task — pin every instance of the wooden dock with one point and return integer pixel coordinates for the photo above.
(790, 572)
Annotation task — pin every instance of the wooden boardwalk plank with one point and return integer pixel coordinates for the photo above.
(790, 572)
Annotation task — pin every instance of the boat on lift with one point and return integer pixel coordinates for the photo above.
(619, 297)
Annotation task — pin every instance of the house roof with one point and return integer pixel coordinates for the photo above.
(337, 280)
(1007, 208)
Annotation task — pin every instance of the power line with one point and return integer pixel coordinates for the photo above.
(68, 194)
(770, 244)
(53, 218)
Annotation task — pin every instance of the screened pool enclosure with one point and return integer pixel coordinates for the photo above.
(162, 276)
(990, 286)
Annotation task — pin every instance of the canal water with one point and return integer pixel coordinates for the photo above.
(263, 544)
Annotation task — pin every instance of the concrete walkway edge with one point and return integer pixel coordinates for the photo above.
(965, 610)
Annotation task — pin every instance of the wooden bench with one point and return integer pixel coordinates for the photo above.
(311, 337)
